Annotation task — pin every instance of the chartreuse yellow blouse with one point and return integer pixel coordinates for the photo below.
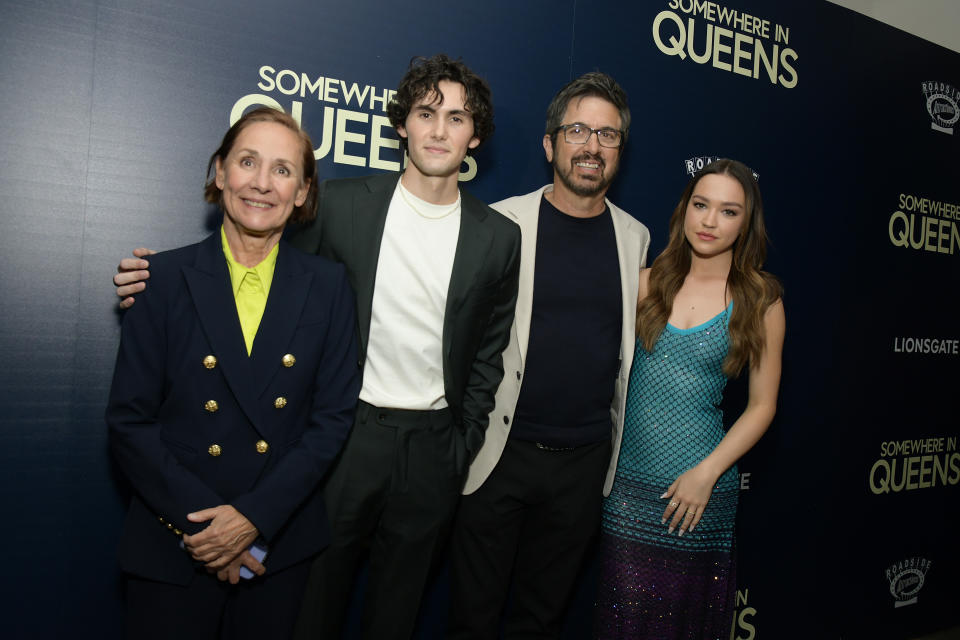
(251, 286)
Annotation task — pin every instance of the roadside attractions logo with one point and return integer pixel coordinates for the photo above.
(913, 464)
(727, 39)
(353, 124)
(692, 165)
(906, 578)
(925, 224)
(941, 100)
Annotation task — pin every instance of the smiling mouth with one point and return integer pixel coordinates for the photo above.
(257, 205)
(589, 163)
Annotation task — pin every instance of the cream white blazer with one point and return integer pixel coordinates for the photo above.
(633, 240)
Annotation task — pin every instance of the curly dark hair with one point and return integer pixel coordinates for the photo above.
(423, 78)
(305, 212)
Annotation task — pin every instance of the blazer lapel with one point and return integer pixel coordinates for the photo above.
(626, 233)
(288, 294)
(472, 246)
(527, 215)
(368, 215)
(209, 283)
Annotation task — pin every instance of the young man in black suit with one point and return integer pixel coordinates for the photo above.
(435, 272)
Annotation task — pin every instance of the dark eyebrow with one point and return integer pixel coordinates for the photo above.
(725, 204)
(584, 124)
(452, 112)
(254, 152)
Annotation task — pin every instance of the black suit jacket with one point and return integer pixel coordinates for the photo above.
(480, 299)
(162, 428)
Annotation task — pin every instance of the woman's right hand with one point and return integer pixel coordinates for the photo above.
(131, 273)
(688, 495)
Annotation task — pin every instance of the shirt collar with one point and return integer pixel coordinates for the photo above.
(264, 270)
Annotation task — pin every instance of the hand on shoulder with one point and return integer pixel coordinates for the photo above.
(131, 273)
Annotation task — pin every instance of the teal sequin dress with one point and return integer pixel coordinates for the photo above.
(653, 584)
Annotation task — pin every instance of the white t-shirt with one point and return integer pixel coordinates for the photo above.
(404, 367)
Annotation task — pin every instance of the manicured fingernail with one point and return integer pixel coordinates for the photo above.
(664, 494)
(680, 533)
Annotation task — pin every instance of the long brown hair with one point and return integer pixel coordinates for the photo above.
(751, 288)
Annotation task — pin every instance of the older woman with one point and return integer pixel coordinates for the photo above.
(234, 389)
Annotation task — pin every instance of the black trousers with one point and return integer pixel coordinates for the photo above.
(392, 496)
(534, 517)
(207, 609)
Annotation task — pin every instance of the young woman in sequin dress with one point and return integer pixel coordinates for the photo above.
(706, 311)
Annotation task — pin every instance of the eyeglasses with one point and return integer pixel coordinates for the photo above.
(578, 133)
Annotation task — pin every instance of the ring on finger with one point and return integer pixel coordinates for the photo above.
(674, 504)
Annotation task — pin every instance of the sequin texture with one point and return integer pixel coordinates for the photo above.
(656, 585)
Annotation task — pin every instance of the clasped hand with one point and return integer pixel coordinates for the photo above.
(223, 545)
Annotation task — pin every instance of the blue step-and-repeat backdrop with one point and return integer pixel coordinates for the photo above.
(111, 108)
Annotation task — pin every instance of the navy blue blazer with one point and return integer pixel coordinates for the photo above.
(257, 432)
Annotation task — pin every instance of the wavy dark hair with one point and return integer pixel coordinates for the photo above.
(595, 84)
(751, 288)
(305, 212)
(423, 78)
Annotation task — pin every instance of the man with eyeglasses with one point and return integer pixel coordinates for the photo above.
(533, 493)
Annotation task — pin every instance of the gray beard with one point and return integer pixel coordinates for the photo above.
(584, 191)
